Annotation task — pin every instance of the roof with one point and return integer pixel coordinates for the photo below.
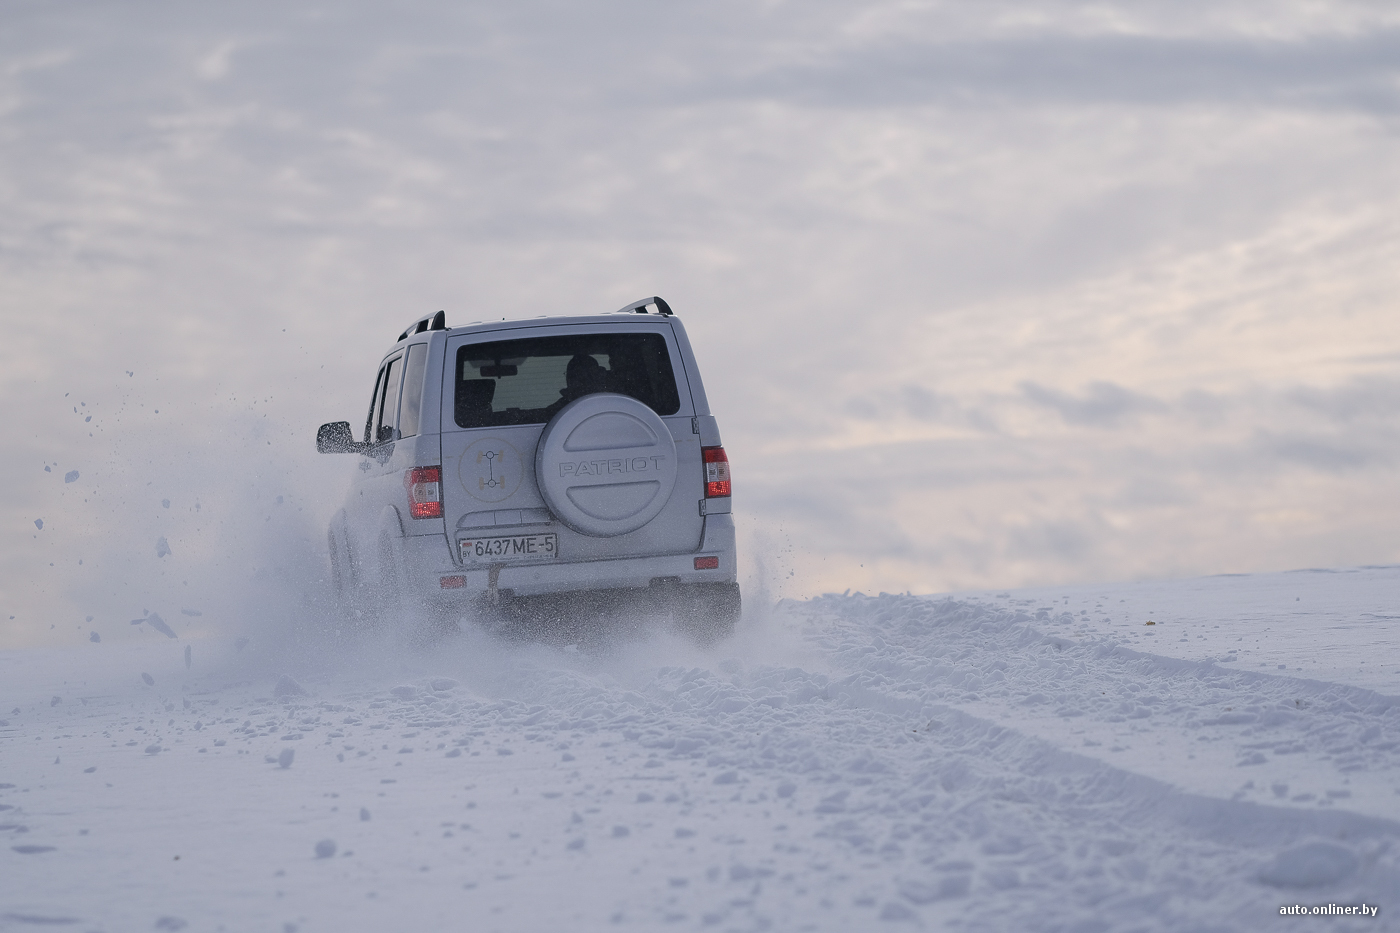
(438, 321)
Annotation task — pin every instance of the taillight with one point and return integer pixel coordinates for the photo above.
(424, 485)
(716, 472)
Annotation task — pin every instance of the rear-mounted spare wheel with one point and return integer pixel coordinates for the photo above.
(606, 465)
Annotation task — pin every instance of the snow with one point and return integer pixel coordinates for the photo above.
(1030, 760)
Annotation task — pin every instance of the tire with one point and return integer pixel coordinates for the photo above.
(707, 612)
(387, 590)
(367, 593)
(346, 581)
(339, 572)
(417, 621)
(390, 586)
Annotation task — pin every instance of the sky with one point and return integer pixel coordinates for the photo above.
(985, 295)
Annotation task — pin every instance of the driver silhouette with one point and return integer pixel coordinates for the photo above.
(583, 376)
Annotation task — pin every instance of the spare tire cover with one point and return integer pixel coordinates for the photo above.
(606, 464)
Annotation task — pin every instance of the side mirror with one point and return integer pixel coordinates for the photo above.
(335, 438)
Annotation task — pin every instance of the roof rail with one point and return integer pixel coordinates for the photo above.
(641, 306)
(431, 322)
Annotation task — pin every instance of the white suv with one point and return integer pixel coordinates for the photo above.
(505, 463)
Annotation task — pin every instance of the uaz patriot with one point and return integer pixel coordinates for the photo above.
(559, 456)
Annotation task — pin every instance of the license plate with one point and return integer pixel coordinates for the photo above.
(509, 548)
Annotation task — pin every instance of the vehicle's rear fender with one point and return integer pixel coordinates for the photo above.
(390, 522)
(719, 537)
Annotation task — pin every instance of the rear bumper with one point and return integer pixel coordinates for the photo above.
(427, 565)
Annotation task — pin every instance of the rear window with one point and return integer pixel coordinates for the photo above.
(527, 381)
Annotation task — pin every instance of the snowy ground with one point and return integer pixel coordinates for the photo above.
(1023, 761)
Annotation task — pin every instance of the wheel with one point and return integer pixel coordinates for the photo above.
(397, 608)
(385, 591)
(346, 583)
(707, 612)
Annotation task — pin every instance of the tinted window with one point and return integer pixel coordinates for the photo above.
(527, 381)
(411, 408)
(386, 405)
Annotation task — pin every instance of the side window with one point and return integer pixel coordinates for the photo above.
(375, 402)
(386, 406)
(411, 409)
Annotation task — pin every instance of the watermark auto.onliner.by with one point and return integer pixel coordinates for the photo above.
(1330, 910)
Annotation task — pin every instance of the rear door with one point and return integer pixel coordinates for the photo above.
(503, 386)
(381, 470)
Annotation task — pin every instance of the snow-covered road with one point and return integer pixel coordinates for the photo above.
(1024, 761)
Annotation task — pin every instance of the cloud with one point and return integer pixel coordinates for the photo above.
(1356, 72)
(1362, 399)
(1102, 404)
(1335, 454)
(1064, 541)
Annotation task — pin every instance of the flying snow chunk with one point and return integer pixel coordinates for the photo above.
(1309, 865)
(159, 625)
(284, 760)
(162, 548)
(71, 476)
(150, 681)
(286, 687)
(39, 523)
(325, 848)
(94, 637)
(152, 749)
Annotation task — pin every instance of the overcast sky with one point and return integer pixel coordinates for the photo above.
(985, 295)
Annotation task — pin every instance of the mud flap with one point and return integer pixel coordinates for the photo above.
(706, 612)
